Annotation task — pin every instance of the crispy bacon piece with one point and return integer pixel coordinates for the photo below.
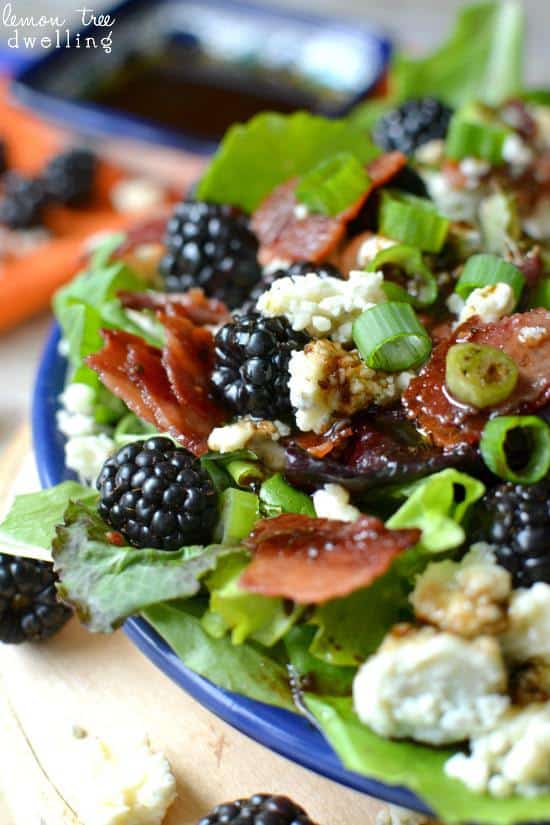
(320, 446)
(315, 237)
(167, 388)
(447, 422)
(192, 304)
(311, 560)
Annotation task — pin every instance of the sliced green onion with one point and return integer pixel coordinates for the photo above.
(540, 296)
(412, 220)
(333, 185)
(278, 496)
(517, 448)
(468, 139)
(483, 270)
(421, 286)
(240, 510)
(480, 375)
(390, 337)
(244, 473)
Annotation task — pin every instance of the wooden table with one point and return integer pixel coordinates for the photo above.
(105, 685)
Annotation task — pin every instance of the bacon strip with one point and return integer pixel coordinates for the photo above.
(311, 560)
(315, 237)
(449, 423)
(192, 304)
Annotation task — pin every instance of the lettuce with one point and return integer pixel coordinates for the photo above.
(481, 60)
(244, 668)
(29, 526)
(255, 157)
(106, 582)
(322, 677)
(245, 614)
(418, 767)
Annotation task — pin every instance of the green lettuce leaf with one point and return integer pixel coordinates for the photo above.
(320, 677)
(241, 668)
(351, 628)
(255, 157)
(30, 524)
(418, 767)
(106, 583)
(245, 614)
(481, 60)
(438, 505)
(89, 302)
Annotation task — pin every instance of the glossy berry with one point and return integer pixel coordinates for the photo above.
(325, 270)
(157, 495)
(68, 178)
(260, 809)
(21, 202)
(211, 247)
(29, 609)
(516, 519)
(412, 124)
(251, 365)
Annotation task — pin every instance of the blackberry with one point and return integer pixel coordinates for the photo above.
(516, 519)
(251, 365)
(260, 809)
(297, 268)
(22, 202)
(69, 177)
(157, 495)
(211, 247)
(29, 609)
(413, 123)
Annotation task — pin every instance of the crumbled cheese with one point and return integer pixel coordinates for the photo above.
(491, 303)
(328, 382)
(275, 264)
(513, 758)
(532, 336)
(528, 635)
(324, 307)
(537, 224)
(137, 195)
(78, 398)
(469, 598)
(431, 686)
(456, 204)
(473, 169)
(394, 815)
(430, 153)
(516, 153)
(455, 304)
(370, 248)
(243, 433)
(122, 782)
(301, 211)
(86, 454)
(333, 502)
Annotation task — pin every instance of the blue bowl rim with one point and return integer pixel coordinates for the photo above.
(282, 731)
(95, 119)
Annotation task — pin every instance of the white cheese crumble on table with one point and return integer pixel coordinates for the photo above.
(491, 303)
(324, 307)
(394, 815)
(332, 502)
(513, 758)
(87, 446)
(431, 686)
(328, 382)
(469, 598)
(137, 195)
(122, 782)
(370, 248)
(528, 635)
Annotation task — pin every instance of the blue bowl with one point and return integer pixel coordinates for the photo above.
(287, 733)
(55, 85)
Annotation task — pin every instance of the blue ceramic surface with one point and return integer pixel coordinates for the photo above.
(48, 85)
(287, 733)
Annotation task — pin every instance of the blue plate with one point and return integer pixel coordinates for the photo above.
(240, 32)
(287, 733)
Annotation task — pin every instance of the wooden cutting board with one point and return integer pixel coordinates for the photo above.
(106, 686)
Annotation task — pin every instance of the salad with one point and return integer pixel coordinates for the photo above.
(310, 423)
